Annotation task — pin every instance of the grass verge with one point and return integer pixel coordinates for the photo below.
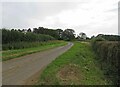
(77, 66)
(10, 54)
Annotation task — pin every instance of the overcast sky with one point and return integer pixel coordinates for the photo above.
(89, 16)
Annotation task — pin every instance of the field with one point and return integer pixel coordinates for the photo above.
(10, 54)
(77, 66)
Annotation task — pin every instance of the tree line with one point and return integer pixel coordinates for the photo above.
(37, 34)
(67, 34)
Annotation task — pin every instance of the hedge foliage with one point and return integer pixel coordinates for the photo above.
(20, 45)
(108, 53)
(111, 37)
(9, 36)
(13, 39)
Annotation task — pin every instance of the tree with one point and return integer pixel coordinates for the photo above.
(92, 37)
(29, 30)
(35, 30)
(68, 34)
(24, 31)
(54, 33)
(59, 32)
(41, 30)
(19, 30)
(82, 36)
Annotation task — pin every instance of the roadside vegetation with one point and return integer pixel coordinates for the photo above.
(107, 48)
(10, 54)
(16, 42)
(13, 39)
(77, 66)
(20, 39)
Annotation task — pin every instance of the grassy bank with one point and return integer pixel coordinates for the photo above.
(77, 66)
(10, 54)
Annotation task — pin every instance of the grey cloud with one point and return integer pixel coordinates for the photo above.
(112, 10)
(18, 14)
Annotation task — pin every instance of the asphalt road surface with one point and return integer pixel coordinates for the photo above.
(20, 70)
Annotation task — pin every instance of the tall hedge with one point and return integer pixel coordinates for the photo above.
(13, 39)
(108, 55)
(10, 36)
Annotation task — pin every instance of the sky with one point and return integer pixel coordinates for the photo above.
(89, 16)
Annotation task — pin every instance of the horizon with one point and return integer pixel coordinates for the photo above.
(62, 29)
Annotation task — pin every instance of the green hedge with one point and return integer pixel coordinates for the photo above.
(13, 39)
(108, 55)
(22, 45)
(11, 36)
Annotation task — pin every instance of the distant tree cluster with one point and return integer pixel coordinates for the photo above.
(67, 34)
(42, 30)
(37, 34)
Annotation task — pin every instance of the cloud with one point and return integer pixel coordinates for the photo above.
(91, 16)
(21, 14)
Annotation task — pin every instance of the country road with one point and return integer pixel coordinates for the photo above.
(21, 70)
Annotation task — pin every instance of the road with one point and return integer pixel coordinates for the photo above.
(22, 70)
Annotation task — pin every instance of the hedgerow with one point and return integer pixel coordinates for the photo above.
(108, 53)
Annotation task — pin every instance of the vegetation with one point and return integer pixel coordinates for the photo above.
(46, 31)
(67, 34)
(108, 56)
(108, 37)
(82, 36)
(16, 43)
(15, 36)
(17, 39)
(10, 54)
(77, 66)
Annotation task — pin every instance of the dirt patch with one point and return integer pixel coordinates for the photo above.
(70, 74)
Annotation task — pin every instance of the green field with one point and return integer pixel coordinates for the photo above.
(10, 54)
(77, 66)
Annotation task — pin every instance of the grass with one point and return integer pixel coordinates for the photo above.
(77, 66)
(10, 54)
